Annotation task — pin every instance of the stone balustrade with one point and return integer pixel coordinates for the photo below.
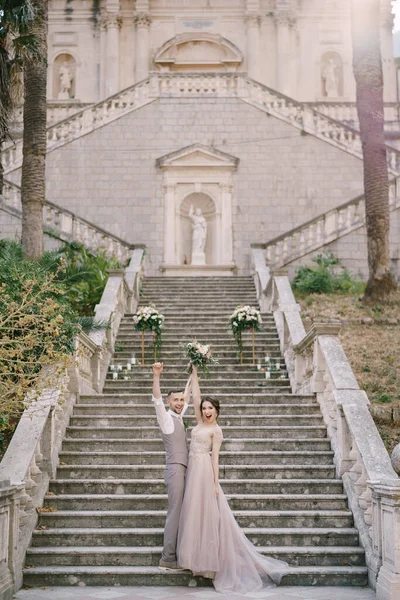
(68, 226)
(301, 115)
(317, 364)
(347, 111)
(322, 230)
(31, 458)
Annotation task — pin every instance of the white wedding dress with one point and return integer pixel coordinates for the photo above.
(210, 542)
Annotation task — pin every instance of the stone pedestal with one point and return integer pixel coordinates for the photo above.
(198, 258)
(388, 583)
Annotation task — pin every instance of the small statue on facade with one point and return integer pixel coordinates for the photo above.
(199, 236)
(331, 79)
(65, 82)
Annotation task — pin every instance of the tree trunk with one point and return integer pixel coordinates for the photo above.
(367, 66)
(33, 182)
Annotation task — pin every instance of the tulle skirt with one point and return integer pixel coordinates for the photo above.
(211, 543)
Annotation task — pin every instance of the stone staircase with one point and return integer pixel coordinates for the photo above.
(107, 506)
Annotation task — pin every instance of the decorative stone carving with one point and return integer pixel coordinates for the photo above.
(332, 75)
(65, 76)
(142, 19)
(111, 21)
(196, 51)
(252, 20)
(199, 236)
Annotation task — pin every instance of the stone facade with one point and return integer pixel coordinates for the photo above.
(283, 178)
(302, 49)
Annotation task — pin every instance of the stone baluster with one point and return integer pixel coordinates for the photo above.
(142, 21)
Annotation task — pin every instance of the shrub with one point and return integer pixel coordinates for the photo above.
(327, 277)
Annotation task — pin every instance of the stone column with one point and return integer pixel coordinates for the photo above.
(388, 583)
(285, 53)
(142, 21)
(226, 250)
(253, 22)
(169, 225)
(112, 24)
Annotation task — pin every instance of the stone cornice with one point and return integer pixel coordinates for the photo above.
(331, 328)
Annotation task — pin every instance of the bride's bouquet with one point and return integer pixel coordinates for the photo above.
(200, 356)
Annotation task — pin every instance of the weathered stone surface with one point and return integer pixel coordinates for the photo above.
(395, 458)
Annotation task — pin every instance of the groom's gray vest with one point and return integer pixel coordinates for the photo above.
(176, 448)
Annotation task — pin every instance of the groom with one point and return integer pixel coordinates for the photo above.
(173, 434)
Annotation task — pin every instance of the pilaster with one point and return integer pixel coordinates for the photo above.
(142, 22)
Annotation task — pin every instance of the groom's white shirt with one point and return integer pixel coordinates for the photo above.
(165, 418)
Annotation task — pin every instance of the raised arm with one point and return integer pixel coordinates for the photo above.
(196, 394)
(188, 390)
(157, 370)
(216, 447)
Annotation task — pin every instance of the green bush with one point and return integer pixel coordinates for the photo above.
(327, 277)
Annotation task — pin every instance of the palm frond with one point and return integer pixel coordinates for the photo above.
(89, 324)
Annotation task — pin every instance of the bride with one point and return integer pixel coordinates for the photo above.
(210, 542)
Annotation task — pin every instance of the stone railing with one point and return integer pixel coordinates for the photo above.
(68, 226)
(31, 458)
(347, 111)
(317, 364)
(302, 116)
(322, 230)
(56, 111)
(84, 121)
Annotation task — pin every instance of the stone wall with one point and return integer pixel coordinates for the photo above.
(283, 179)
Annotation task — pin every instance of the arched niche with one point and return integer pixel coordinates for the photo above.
(64, 77)
(208, 209)
(331, 75)
(198, 176)
(198, 52)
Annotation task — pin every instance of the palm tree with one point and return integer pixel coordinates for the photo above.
(33, 183)
(15, 44)
(367, 67)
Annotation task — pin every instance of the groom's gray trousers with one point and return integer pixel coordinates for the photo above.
(174, 477)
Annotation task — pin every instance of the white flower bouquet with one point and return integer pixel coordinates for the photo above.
(242, 319)
(200, 356)
(148, 318)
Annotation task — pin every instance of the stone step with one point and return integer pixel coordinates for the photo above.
(130, 519)
(84, 444)
(141, 576)
(139, 433)
(226, 458)
(220, 335)
(227, 472)
(230, 486)
(101, 408)
(264, 399)
(134, 387)
(159, 501)
(174, 359)
(218, 375)
(153, 536)
(124, 556)
(101, 420)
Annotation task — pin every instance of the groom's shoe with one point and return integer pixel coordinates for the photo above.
(169, 565)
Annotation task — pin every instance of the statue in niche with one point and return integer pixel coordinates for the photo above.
(331, 79)
(65, 82)
(199, 236)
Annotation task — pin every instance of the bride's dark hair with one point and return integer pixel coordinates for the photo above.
(213, 401)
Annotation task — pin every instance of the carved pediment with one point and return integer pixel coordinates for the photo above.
(198, 155)
(198, 51)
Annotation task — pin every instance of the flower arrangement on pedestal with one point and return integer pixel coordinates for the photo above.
(148, 318)
(242, 319)
(200, 356)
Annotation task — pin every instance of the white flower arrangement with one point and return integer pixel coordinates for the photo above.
(244, 318)
(149, 318)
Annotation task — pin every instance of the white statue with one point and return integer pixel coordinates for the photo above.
(65, 82)
(330, 76)
(199, 236)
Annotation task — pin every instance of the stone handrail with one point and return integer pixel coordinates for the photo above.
(347, 111)
(56, 111)
(31, 459)
(317, 364)
(322, 230)
(301, 115)
(68, 226)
